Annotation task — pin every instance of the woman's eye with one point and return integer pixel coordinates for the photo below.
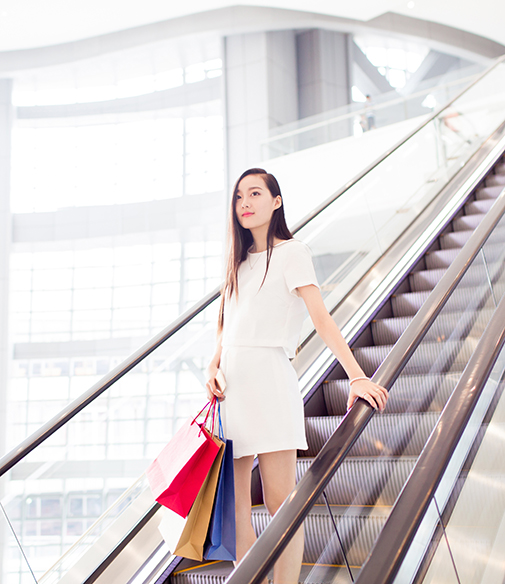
(255, 193)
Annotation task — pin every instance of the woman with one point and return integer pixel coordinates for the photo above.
(270, 279)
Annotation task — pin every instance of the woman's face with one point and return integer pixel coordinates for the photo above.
(254, 204)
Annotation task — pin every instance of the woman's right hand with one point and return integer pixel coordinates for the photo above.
(211, 386)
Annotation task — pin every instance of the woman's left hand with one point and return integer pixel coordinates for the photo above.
(374, 394)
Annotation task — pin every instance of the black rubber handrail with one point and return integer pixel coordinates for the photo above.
(66, 414)
(256, 564)
(411, 506)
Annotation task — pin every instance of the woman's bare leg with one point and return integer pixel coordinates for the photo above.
(278, 475)
(245, 532)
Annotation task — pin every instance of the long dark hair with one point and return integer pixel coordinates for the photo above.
(239, 239)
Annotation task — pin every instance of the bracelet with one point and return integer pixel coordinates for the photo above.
(351, 381)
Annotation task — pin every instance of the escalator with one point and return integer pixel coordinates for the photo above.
(378, 255)
(364, 488)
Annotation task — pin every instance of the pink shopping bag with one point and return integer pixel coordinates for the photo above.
(177, 474)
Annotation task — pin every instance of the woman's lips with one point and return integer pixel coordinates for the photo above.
(247, 214)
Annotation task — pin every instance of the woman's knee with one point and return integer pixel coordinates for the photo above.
(273, 500)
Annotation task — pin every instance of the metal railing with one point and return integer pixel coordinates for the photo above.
(357, 112)
(411, 506)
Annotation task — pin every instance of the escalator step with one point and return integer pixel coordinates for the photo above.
(358, 527)
(442, 258)
(409, 303)
(494, 252)
(480, 206)
(495, 180)
(429, 357)
(475, 276)
(467, 222)
(385, 435)
(217, 572)
(425, 279)
(488, 192)
(455, 239)
(388, 330)
(364, 480)
(410, 393)
(448, 324)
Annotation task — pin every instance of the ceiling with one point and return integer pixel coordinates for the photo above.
(28, 24)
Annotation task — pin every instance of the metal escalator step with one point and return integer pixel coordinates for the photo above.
(425, 279)
(428, 357)
(387, 331)
(217, 572)
(385, 435)
(442, 258)
(455, 239)
(461, 299)
(207, 573)
(365, 480)
(480, 206)
(488, 192)
(448, 324)
(410, 393)
(409, 303)
(494, 252)
(495, 180)
(358, 527)
(467, 222)
(476, 275)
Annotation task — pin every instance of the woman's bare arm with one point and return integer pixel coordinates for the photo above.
(327, 329)
(211, 386)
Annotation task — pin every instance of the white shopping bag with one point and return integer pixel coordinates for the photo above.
(171, 527)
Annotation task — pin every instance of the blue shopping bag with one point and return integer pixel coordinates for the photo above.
(221, 536)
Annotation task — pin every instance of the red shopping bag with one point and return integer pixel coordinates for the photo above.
(178, 473)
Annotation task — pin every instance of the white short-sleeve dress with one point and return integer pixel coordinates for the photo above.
(263, 409)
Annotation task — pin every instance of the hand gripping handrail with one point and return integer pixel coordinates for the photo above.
(256, 564)
(72, 409)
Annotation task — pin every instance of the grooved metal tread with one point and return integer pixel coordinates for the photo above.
(409, 303)
(365, 480)
(479, 206)
(488, 192)
(217, 572)
(387, 331)
(476, 275)
(358, 528)
(467, 222)
(386, 434)
(495, 180)
(443, 356)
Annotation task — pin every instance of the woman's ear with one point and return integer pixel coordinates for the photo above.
(278, 202)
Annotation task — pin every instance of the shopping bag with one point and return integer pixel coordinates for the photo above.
(171, 527)
(193, 537)
(178, 473)
(221, 537)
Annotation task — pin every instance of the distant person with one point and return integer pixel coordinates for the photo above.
(369, 114)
